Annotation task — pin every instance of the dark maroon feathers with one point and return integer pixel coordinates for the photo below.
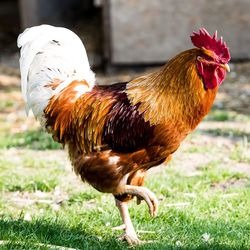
(125, 129)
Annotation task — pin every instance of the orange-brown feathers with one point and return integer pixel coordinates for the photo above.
(72, 116)
(88, 119)
(59, 110)
(174, 94)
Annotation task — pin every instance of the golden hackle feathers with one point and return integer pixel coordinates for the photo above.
(172, 92)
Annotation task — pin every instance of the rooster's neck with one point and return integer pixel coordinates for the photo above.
(173, 94)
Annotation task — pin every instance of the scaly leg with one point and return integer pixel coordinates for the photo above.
(145, 194)
(129, 234)
(141, 193)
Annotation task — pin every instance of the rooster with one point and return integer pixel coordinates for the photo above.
(115, 133)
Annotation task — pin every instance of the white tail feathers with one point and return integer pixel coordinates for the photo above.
(49, 53)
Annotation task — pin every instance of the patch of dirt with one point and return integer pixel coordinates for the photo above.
(240, 167)
(9, 81)
(8, 71)
(232, 183)
(188, 164)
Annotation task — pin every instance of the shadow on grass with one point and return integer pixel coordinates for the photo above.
(40, 234)
(34, 233)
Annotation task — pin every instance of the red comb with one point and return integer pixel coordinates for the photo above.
(204, 40)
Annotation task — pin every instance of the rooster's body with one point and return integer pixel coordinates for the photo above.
(115, 133)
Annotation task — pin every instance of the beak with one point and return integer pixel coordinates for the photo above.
(226, 67)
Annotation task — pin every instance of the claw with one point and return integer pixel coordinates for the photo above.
(138, 200)
(133, 240)
(152, 202)
(144, 193)
(130, 238)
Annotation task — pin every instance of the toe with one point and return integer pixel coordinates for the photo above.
(121, 227)
(131, 239)
(154, 202)
(138, 200)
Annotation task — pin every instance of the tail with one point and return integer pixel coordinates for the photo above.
(50, 54)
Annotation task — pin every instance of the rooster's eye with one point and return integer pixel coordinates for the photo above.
(209, 58)
(205, 59)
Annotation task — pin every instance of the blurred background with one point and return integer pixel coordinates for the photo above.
(132, 32)
(210, 173)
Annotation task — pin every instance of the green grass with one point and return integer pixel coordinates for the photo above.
(31, 139)
(228, 132)
(208, 210)
(6, 104)
(225, 115)
(213, 218)
(23, 175)
(240, 152)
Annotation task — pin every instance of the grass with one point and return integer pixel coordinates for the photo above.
(26, 173)
(225, 115)
(204, 193)
(6, 104)
(240, 152)
(230, 132)
(211, 217)
(31, 139)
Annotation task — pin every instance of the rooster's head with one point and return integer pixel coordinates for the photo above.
(212, 59)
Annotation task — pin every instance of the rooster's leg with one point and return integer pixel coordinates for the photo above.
(145, 194)
(129, 234)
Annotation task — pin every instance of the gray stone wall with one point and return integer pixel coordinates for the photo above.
(152, 31)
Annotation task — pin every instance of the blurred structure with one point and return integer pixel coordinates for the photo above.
(9, 25)
(129, 32)
(58, 12)
(81, 16)
(146, 31)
